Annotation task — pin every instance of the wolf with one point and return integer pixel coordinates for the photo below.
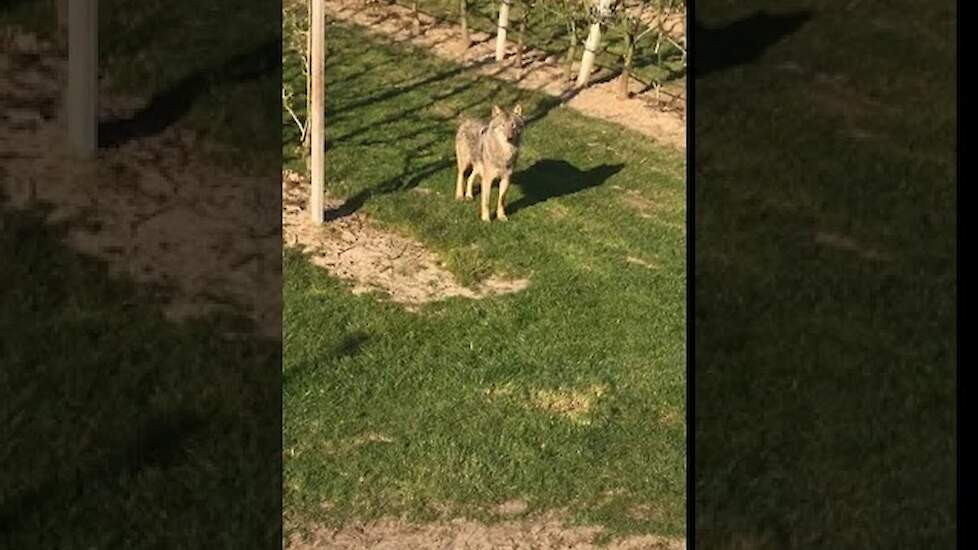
(490, 150)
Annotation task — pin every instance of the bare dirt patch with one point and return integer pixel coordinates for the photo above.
(658, 116)
(353, 248)
(572, 404)
(156, 208)
(548, 531)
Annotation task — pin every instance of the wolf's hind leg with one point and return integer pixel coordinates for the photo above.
(458, 182)
(468, 189)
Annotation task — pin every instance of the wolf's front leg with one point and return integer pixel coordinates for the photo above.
(487, 179)
(500, 207)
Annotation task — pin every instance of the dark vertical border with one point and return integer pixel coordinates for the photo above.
(690, 279)
(958, 373)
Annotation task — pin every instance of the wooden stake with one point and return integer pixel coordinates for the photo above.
(82, 100)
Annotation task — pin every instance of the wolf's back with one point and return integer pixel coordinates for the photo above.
(468, 136)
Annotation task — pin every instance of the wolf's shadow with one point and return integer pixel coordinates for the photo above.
(548, 178)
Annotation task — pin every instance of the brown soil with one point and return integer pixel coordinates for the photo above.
(353, 248)
(658, 116)
(155, 209)
(548, 531)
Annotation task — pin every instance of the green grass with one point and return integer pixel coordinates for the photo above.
(123, 429)
(360, 367)
(825, 379)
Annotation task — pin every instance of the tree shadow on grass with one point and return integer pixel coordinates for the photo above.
(170, 105)
(349, 346)
(548, 179)
(742, 41)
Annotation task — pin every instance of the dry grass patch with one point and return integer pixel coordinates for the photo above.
(574, 405)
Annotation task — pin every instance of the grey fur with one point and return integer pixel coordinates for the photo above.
(490, 151)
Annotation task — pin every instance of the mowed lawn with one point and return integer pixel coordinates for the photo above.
(825, 219)
(569, 395)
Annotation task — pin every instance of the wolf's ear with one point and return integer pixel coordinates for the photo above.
(518, 110)
(496, 111)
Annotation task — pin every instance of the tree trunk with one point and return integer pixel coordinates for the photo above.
(660, 31)
(464, 18)
(501, 30)
(317, 117)
(591, 47)
(417, 18)
(626, 65)
(522, 40)
(571, 50)
(307, 139)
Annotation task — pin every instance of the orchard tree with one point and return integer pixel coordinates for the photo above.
(528, 11)
(463, 17)
(295, 19)
(631, 25)
(634, 29)
(416, 18)
(574, 15)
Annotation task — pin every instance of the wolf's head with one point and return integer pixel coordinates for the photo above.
(508, 126)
